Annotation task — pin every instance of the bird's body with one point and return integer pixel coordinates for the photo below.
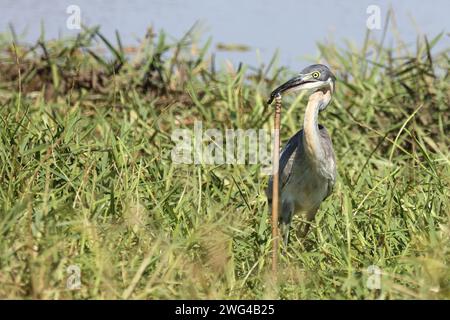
(307, 167)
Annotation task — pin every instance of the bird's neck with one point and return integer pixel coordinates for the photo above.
(311, 137)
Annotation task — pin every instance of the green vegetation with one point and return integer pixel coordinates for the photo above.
(87, 178)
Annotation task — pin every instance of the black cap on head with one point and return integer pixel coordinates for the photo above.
(312, 77)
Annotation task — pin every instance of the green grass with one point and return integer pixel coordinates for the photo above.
(87, 179)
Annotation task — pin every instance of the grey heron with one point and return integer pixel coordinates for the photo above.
(307, 166)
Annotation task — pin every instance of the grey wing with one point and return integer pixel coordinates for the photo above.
(286, 161)
(294, 150)
(330, 158)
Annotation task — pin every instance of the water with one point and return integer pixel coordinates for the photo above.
(292, 26)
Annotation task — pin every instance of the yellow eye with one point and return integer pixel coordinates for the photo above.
(316, 75)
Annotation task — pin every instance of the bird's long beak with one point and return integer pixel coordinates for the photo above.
(296, 83)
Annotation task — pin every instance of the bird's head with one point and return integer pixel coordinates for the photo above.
(315, 77)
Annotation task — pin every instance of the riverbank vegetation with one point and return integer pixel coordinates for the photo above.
(86, 177)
